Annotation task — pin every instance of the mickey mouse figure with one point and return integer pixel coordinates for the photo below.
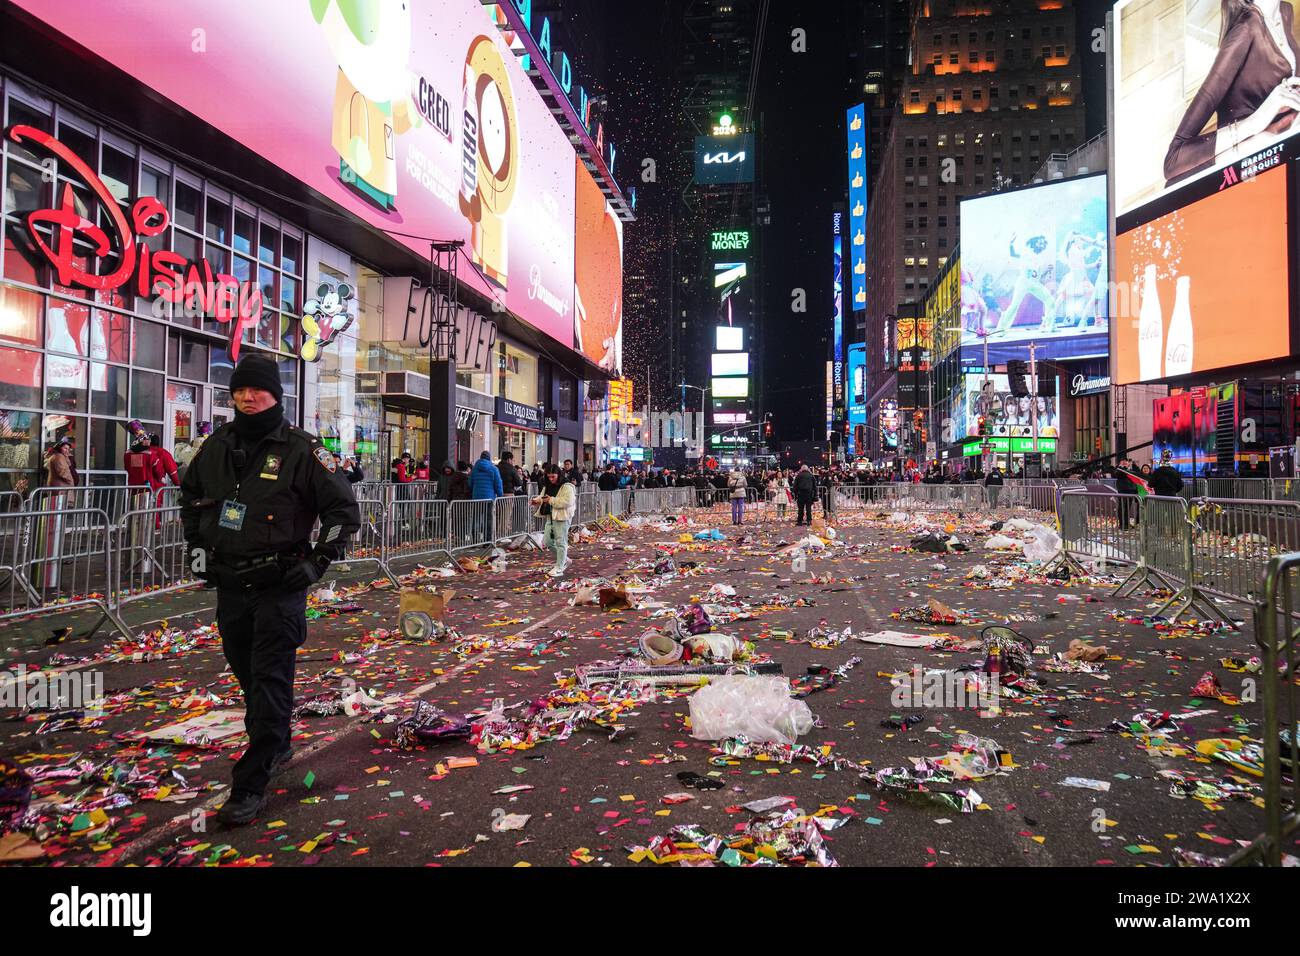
(325, 318)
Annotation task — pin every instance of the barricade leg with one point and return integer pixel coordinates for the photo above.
(1143, 575)
(1190, 597)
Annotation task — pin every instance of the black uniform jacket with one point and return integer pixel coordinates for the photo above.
(288, 480)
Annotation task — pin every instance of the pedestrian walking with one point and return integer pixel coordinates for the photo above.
(993, 483)
(805, 493)
(782, 494)
(737, 483)
(555, 502)
(249, 502)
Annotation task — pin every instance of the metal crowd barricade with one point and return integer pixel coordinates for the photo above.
(469, 524)
(113, 500)
(150, 556)
(371, 542)
(416, 529)
(1101, 525)
(1162, 534)
(1235, 540)
(57, 557)
(1277, 632)
(514, 516)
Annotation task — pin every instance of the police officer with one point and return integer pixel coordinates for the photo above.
(248, 501)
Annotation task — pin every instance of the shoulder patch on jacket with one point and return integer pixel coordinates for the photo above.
(326, 458)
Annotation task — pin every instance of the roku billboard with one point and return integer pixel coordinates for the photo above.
(420, 123)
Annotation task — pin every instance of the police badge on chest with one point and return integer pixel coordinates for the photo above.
(271, 467)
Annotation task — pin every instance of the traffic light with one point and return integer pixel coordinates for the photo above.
(1046, 381)
(1016, 372)
(1096, 444)
(984, 427)
(767, 429)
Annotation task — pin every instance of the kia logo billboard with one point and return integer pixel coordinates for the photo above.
(724, 159)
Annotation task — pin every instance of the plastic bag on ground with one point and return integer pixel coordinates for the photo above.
(1042, 544)
(760, 708)
(1000, 542)
(1021, 524)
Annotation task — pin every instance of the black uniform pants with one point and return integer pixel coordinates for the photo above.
(261, 632)
(805, 510)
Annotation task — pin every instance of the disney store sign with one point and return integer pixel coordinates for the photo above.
(119, 258)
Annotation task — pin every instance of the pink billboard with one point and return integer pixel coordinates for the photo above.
(420, 123)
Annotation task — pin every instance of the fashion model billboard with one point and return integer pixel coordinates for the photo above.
(598, 276)
(1206, 286)
(1005, 415)
(1199, 85)
(414, 117)
(1034, 270)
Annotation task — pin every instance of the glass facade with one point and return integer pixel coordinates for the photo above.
(83, 363)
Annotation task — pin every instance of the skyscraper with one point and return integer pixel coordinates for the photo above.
(992, 89)
(718, 252)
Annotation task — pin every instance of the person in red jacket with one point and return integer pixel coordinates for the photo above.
(164, 465)
(422, 470)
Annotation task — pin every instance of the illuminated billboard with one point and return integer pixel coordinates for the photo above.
(1034, 269)
(889, 425)
(730, 388)
(856, 121)
(1005, 415)
(837, 307)
(724, 159)
(730, 363)
(1203, 91)
(1206, 286)
(417, 119)
(597, 276)
(729, 339)
(737, 239)
(857, 391)
(856, 394)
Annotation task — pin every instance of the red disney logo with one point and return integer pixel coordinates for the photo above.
(168, 275)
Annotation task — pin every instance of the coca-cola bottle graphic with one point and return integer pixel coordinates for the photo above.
(1178, 347)
(1151, 329)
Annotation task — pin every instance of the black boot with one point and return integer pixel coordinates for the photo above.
(241, 809)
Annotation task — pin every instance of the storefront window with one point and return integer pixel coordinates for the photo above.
(147, 395)
(107, 389)
(516, 375)
(20, 378)
(150, 345)
(54, 427)
(20, 316)
(108, 444)
(65, 383)
(20, 447)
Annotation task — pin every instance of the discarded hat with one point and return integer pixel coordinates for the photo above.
(659, 648)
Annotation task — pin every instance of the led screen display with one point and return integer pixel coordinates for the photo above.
(1034, 269)
(1205, 287)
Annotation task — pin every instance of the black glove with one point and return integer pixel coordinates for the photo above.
(305, 573)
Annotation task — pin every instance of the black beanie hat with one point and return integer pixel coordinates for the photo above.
(257, 371)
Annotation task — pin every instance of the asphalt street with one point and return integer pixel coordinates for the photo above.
(593, 797)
